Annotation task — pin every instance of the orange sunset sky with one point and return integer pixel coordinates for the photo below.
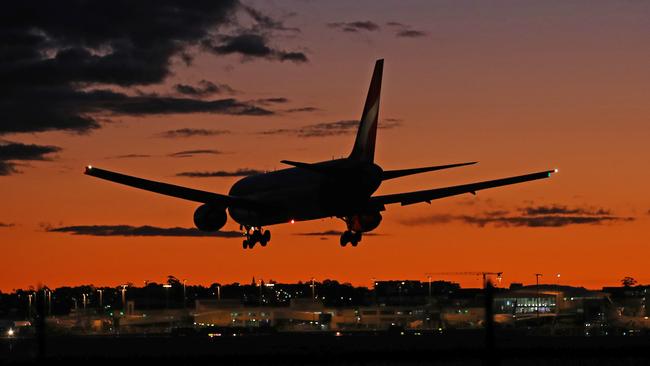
(520, 86)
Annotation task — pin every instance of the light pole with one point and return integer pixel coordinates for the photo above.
(83, 300)
(429, 279)
(49, 302)
(537, 276)
(219, 292)
(184, 294)
(146, 293)
(123, 298)
(313, 290)
(167, 287)
(29, 306)
(101, 298)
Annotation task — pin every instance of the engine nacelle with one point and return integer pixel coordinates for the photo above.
(364, 222)
(210, 217)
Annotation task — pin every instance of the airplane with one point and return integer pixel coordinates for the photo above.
(341, 188)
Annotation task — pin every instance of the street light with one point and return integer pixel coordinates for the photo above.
(29, 305)
(101, 298)
(537, 276)
(167, 287)
(184, 296)
(123, 298)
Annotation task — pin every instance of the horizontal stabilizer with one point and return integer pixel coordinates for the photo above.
(298, 164)
(391, 174)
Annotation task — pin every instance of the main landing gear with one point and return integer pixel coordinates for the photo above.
(255, 235)
(351, 237)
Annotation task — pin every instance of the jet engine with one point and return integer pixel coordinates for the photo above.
(363, 222)
(210, 217)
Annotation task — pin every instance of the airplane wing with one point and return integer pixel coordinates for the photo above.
(433, 194)
(169, 189)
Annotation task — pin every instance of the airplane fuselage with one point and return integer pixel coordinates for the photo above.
(332, 188)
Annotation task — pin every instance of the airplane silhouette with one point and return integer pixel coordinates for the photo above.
(339, 188)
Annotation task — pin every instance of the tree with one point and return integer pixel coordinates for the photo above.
(628, 281)
(171, 280)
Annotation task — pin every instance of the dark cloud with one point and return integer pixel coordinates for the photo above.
(251, 46)
(563, 210)
(221, 173)
(190, 153)
(4, 224)
(65, 59)
(302, 109)
(540, 216)
(353, 27)
(13, 152)
(128, 230)
(130, 156)
(405, 31)
(329, 233)
(410, 33)
(274, 100)
(203, 89)
(325, 129)
(266, 23)
(191, 132)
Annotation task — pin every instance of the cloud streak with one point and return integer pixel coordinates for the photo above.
(326, 129)
(203, 89)
(329, 233)
(128, 230)
(191, 132)
(221, 173)
(130, 156)
(534, 216)
(406, 31)
(190, 153)
(355, 27)
(251, 46)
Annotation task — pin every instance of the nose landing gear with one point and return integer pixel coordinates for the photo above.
(255, 235)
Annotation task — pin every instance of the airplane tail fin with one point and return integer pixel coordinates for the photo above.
(364, 145)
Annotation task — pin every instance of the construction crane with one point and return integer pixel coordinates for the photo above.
(476, 273)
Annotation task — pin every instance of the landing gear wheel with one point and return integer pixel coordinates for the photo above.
(350, 237)
(255, 235)
(346, 238)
